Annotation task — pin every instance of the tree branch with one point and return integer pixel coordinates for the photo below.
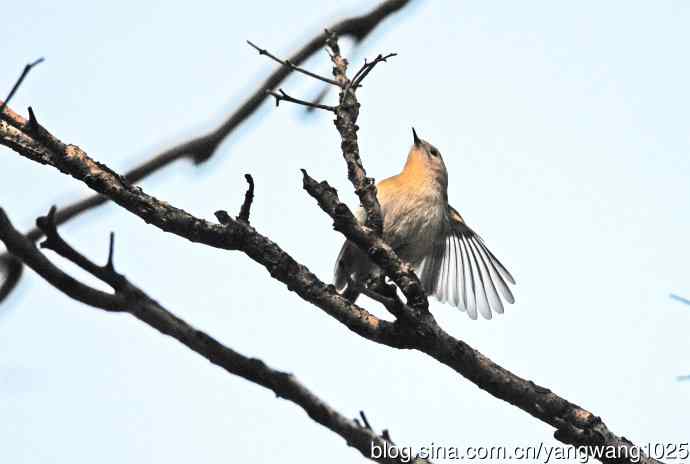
(347, 113)
(381, 253)
(367, 67)
(291, 65)
(574, 425)
(201, 148)
(282, 96)
(133, 300)
(19, 81)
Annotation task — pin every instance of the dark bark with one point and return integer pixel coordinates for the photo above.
(202, 147)
(414, 327)
(129, 298)
(574, 425)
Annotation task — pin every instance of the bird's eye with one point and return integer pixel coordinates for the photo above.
(433, 151)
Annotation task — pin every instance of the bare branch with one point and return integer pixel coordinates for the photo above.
(134, 301)
(28, 253)
(282, 96)
(347, 113)
(574, 425)
(201, 148)
(382, 254)
(55, 242)
(367, 67)
(111, 249)
(16, 85)
(289, 64)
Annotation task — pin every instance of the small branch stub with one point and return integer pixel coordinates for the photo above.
(223, 217)
(248, 199)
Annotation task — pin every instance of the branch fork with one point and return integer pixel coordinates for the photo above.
(573, 424)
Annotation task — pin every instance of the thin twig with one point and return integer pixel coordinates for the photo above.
(291, 65)
(365, 420)
(282, 96)
(367, 67)
(24, 73)
(111, 250)
(202, 147)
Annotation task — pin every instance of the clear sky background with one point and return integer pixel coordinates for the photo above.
(564, 127)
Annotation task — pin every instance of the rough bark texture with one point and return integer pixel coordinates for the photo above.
(574, 425)
(414, 327)
(202, 147)
(129, 298)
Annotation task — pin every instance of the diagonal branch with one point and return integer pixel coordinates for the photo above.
(19, 81)
(282, 96)
(26, 251)
(233, 235)
(291, 65)
(347, 112)
(133, 300)
(201, 148)
(574, 425)
(367, 67)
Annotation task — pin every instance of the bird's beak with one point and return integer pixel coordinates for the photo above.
(416, 139)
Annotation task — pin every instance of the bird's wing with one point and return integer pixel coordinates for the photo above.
(462, 271)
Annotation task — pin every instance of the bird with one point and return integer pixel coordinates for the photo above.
(452, 261)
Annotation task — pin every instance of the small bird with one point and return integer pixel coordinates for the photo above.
(451, 260)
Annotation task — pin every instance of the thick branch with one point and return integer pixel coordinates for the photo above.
(574, 425)
(134, 301)
(204, 146)
(234, 235)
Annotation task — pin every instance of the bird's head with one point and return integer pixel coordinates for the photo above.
(425, 163)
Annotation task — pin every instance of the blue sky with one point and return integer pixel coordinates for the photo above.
(565, 131)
